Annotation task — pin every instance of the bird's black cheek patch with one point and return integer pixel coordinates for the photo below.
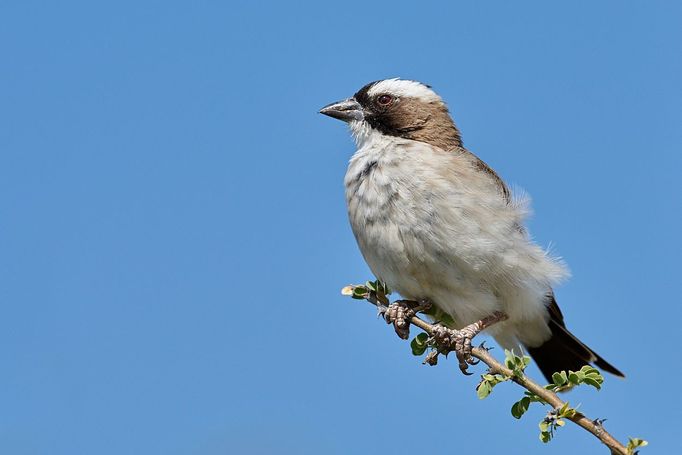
(393, 121)
(382, 124)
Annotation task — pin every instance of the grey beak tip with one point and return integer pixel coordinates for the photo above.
(328, 109)
(345, 110)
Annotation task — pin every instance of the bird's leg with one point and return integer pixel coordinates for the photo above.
(449, 340)
(400, 312)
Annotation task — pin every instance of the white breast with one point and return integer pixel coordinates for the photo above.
(431, 225)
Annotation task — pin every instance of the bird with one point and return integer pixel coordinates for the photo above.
(436, 223)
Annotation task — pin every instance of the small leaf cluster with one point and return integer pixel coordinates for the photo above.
(370, 290)
(635, 443)
(516, 363)
(488, 381)
(561, 380)
(519, 408)
(553, 420)
(586, 375)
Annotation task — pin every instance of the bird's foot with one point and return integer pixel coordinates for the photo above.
(400, 312)
(457, 341)
(449, 340)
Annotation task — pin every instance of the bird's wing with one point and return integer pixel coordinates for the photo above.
(483, 166)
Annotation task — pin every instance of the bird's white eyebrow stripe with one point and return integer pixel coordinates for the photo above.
(406, 88)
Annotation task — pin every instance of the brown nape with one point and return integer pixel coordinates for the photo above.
(424, 122)
(429, 123)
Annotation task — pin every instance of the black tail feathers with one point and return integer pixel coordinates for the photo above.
(563, 351)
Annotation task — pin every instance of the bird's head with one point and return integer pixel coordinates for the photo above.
(400, 108)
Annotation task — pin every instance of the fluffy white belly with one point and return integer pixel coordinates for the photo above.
(431, 226)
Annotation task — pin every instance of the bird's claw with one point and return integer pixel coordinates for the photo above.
(459, 341)
(399, 314)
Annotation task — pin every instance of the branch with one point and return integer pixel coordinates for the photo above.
(593, 426)
(376, 292)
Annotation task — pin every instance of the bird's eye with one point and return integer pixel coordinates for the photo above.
(385, 100)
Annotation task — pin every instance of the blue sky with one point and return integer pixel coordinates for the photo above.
(173, 234)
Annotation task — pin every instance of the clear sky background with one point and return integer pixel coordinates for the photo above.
(173, 232)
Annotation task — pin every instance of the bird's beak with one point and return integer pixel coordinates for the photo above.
(346, 110)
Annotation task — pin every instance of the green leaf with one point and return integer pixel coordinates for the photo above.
(594, 377)
(573, 378)
(591, 381)
(520, 407)
(545, 436)
(516, 411)
(559, 378)
(634, 443)
(483, 390)
(419, 344)
(359, 292)
(587, 369)
(509, 359)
